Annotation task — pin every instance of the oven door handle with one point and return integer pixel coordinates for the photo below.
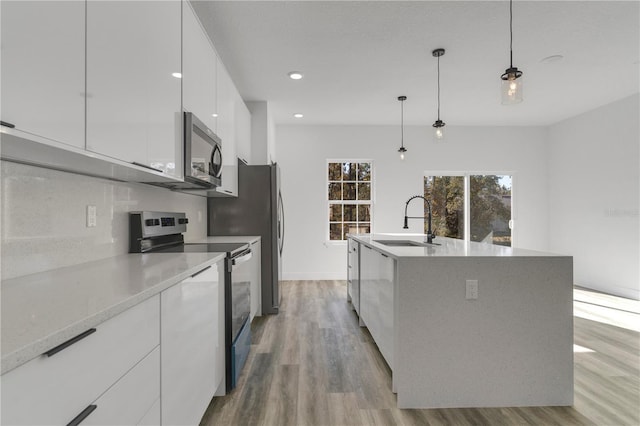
(243, 257)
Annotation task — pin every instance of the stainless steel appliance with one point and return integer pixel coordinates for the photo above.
(161, 232)
(258, 210)
(202, 156)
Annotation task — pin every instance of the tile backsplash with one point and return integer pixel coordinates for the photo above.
(44, 217)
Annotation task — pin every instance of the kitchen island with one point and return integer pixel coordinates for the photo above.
(468, 324)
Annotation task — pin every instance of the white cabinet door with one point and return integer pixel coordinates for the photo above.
(377, 273)
(368, 270)
(190, 346)
(43, 73)
(62, 385)
(256, 279)
(226, 132)
(243, 129)
(133, 94)
(385, 284)
(353, 273)
(198, 70)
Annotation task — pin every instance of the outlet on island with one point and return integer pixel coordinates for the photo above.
(92, 216)
(472, 290)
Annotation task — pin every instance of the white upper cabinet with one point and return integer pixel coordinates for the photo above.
(43, 72)
(227, 132)
(198, 70)
(133, 82)
(243, 129)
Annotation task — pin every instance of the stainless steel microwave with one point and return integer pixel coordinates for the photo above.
(202, 154)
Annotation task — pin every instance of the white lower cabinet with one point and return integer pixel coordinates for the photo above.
(128, 401)
(152, 418)
(192, 336)
(377, 272)
(56, 388)
(353, 273)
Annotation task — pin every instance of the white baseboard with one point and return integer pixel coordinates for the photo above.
(313, 276)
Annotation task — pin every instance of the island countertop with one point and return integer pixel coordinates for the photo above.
(40, 311)
(442, 247)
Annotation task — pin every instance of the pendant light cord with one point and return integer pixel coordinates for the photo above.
(438, 88)
(402, 123)
(511, 32)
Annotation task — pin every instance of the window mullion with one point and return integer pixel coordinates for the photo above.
(467, 208)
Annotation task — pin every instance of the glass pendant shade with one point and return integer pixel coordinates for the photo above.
(402, 150)
(438, 130)
(511, 86)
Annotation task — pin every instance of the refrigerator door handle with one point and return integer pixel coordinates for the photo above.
(280, 222)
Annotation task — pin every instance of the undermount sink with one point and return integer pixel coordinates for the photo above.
(404, 243)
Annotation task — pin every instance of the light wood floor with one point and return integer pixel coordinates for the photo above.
(313, 365)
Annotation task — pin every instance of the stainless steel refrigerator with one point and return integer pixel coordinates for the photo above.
(258, 210)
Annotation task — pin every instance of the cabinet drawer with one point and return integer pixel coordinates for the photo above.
(152, 417)
(55, 389)
(127, 402)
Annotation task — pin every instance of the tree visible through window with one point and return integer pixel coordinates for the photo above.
(349, 196)
(489, 210)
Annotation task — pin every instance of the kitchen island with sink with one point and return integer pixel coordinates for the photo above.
(467, 324)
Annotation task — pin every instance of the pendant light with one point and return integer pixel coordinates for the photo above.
(512, 77)
(402, 149)
(439, 124)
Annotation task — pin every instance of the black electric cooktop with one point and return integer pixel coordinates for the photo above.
(229, 248)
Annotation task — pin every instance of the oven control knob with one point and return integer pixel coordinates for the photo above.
(148, 222)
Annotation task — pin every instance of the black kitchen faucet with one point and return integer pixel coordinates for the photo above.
(430, 234)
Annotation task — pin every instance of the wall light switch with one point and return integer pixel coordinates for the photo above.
(472, 290)
(92, 216)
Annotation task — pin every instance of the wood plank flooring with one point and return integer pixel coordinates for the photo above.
(313, 365)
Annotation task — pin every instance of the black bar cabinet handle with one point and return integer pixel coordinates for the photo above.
(384, 255)
(62, 346)
(80, 417)
(201, 271)
(5, 124)
(135, 163)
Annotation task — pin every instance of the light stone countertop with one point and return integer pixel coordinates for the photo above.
(43, 310)
(443, 247)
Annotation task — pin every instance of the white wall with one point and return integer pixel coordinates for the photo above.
(263, 147)
(44, 217)
(594, 187)
(304, 150)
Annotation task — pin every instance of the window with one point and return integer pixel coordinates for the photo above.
(477, 203)
(349, 192)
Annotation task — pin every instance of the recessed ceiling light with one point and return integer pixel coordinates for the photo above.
(295, 75)
(214, 115)
(551, 59)
(298, 115)
(177, 75)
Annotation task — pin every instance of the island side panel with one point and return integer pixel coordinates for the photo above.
(513, 346)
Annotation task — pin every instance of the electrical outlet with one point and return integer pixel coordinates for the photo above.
(92, 216)
(472, 290)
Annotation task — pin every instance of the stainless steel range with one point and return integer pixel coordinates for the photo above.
(161, 232)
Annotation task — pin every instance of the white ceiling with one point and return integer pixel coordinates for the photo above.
(359, 56)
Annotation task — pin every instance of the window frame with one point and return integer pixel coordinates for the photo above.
(467, 194)
(370, 202)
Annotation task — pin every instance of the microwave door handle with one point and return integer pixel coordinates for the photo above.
(218, 172)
